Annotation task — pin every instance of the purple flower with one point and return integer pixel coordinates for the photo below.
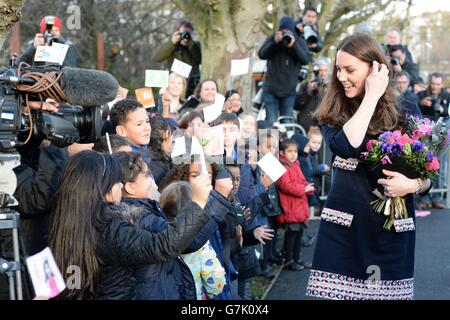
(417, 146)
(386, 136)
(384, 147)
(429, 156)
(395, 148)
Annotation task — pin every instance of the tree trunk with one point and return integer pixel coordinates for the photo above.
(10, 13)
(228, 30)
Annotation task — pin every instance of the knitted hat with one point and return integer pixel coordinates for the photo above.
(287, 23)
(57, 23)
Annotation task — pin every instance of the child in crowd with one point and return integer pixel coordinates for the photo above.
(116, 142)
(208, 274)
(293, 191)
(159, 281)
(161, 148)
(90, 232)
(130, 120)
(218, 202)
(171, 98)
(248, 126)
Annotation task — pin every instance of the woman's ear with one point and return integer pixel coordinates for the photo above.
(129, 188)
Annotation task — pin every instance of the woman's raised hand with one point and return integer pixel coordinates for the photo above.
(377, 80)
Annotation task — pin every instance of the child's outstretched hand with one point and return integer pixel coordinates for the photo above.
(224, 186)
(201, 187)
(310, 188)
(263, 233)
(265, 181)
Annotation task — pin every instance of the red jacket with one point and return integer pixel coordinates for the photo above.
(293, 198)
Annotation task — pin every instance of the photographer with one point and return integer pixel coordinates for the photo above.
(182, 47)
(434, 101)
(307, 28)
(310, 94)
(50, 32)
(393, 38)
(402, 81)
(399, 62)
(285, 53)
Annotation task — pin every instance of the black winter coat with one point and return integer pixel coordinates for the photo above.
(123, 246)
(34, 192)
(170, 280)
(283, 65)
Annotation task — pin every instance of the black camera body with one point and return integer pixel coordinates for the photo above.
(310, 34)
(303, 73)
(436, 105)
(395, 61)
(287, 37)
(186, 35)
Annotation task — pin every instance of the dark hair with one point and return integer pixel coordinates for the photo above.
(188, 117)
(336, 109)
(181, 172)
(286, 143)
(174, 197)
(396, 48)
(159, 127)
(120, 110)
(436, 75)
(309, 8)
(115, 140)
(186, 23)
(226, 117)
(230, 92)
(80, 214)
(132, 165)
(402, 73)
(198, 88)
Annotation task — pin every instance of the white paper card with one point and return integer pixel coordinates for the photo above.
(45, 275)
(239, 67)
(156, 78)
(196, 148)
(213, 111)
(212, 140)
(271, 166)
(179, 147)
(51, 54)
(181, 68)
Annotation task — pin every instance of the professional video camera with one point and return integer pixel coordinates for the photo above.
(80, 93)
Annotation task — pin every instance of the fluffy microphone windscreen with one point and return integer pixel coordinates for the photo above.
(88, 88)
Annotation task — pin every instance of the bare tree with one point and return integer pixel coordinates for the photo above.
(10, 13)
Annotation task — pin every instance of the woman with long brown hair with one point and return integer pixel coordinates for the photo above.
(352, 247)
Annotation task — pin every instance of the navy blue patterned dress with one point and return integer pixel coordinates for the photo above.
(355, 258)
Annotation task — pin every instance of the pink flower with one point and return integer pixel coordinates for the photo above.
(404, 139)
(433, 165)
(425, 129)
(370, 144)
(418, 135)
(365, 155)
(385, 160)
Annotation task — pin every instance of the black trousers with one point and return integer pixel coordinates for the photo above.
(293, 242)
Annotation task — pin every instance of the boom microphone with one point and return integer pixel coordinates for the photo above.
(88, 88)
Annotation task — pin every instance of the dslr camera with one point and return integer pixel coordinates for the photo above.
(436, 105)
(48, 36)
(395, 61)
(303, 74)
(287, 37)
(186, 35)
(310, 35)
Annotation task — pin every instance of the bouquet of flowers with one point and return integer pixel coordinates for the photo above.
(414, 153)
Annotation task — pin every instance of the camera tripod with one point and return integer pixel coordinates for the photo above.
(9, 220)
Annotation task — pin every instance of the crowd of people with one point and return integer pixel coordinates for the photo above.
(143, 223)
